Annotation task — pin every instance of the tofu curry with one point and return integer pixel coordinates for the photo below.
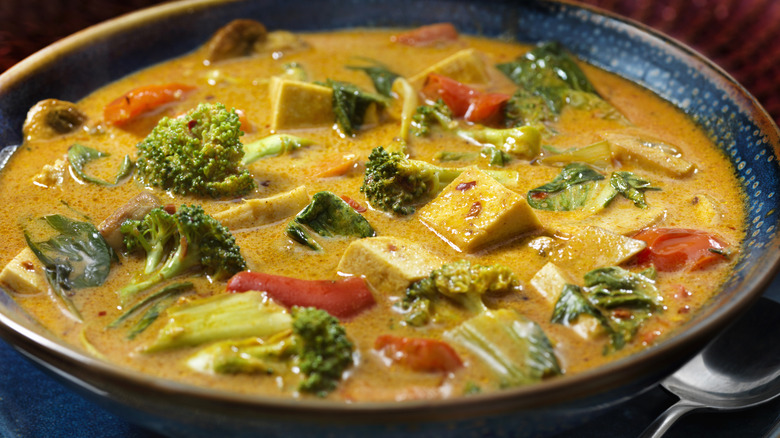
(366, 215)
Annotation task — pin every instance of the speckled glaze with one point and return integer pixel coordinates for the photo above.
(75, 66)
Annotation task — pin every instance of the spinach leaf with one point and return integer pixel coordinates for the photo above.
(381, 76)
(76, 258)
(631, 187)
(571, 304)
(350, 104)
(547, 66)
(297, 232)
(612, 287)
(568, 191)
(79, 155)
(496, 156)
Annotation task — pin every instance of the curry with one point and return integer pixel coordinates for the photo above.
(366, 215)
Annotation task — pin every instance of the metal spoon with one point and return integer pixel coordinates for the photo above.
(737, 370)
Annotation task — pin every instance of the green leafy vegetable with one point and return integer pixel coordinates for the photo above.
(631, 187)
(381, 76)
(515, 348)
(79, 155)
(350, 104)
(328, 215)
(619, 299)
(570, 190)
(75, 258)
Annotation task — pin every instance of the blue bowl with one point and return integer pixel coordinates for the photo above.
(737, 123)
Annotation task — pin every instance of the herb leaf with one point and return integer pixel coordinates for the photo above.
(79, 155)
(77, 257)
(381, 76)
(568, 191)
(631, 187)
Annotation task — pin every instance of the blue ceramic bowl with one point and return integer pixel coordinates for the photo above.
(104, 53)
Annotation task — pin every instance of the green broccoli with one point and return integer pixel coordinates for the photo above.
(272, 146)
(428, 116)
(247, 333)
(460, 284)
(174, 244)
(394, 183)
(328, 215)
(198, 153)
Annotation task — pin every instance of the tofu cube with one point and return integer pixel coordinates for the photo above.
(595, 247)
(549, 282)
(297, 104)
(466, 66)
(255, 212)
(475, 211)
(650, 153)
(389, 264)
(24, 274)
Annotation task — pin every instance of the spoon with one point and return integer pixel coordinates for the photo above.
(740, 368)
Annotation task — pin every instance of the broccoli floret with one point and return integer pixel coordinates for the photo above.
(272, 146)
(174, 244)
(248, 333)
(427, 117)
(328, 215)
(515, 348)
(395, 183)
(198, 153)
(459, 283)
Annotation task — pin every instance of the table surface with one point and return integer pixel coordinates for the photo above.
(742, 36)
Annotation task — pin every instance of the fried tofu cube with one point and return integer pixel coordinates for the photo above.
(389, 264)
(255, 212)
(24, 274)
(297, 104)
(466, 66)
(595, 247)
(653, 154)
(475, 211)
(549, 282)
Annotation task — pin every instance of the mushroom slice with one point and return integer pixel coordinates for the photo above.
(236, 39)
(134, 209)
(50, 118)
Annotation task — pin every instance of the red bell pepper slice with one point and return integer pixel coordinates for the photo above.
(341, 298)
(142, 100)
(427, 35)
(419, 354)
(463, 100)
(672, 249)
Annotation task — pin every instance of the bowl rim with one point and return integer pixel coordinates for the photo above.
(567, 388)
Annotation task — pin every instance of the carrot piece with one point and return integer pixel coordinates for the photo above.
(419, 354)
(427, 35)
(141, 100)
(330, 170)
(341, 298)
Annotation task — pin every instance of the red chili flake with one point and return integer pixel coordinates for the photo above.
(474, 211)
(170, 208)
(681, 292)
(102, 313)
(466, 185)
(352, 203)
(391, 247)
(539, 195)
(28, 265)
(684, 309)
(621, 313)
(191, 124)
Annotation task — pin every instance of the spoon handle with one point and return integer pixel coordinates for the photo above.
(664, 421)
